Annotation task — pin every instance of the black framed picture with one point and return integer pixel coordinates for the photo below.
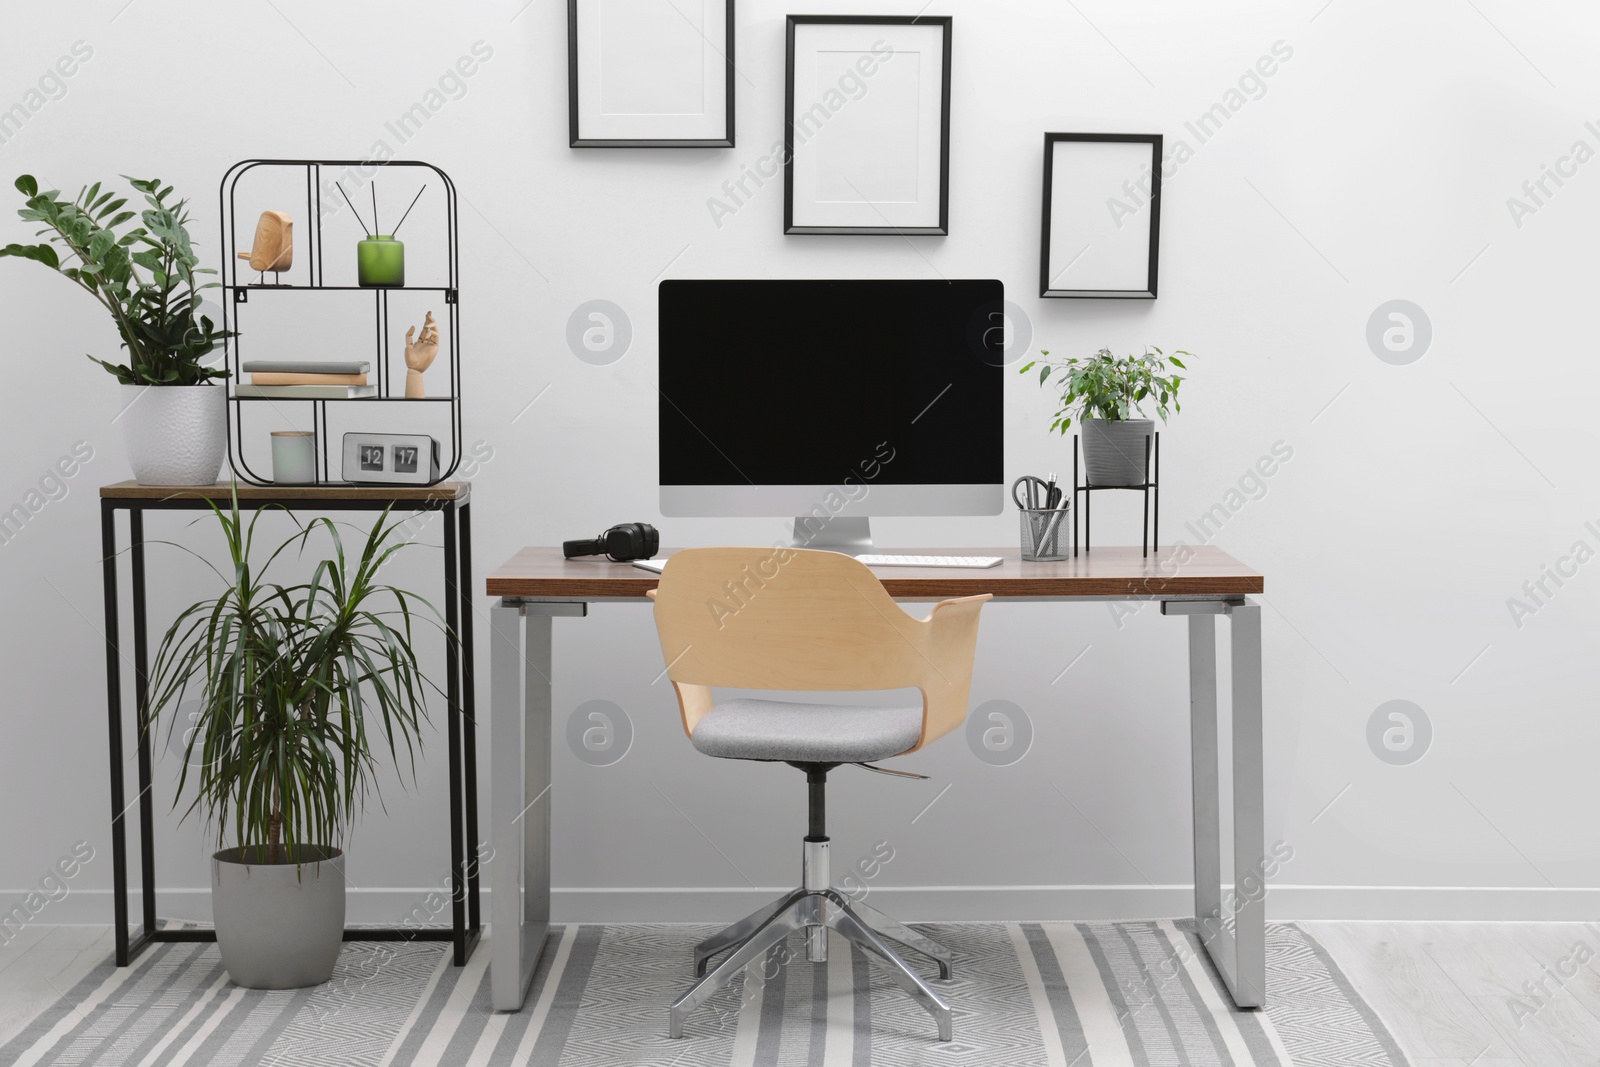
(650, 73)
(867, 125)
(1101, 231)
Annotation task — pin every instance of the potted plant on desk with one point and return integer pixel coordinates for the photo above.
(302, 687)
(146, 274)
(1105, 393)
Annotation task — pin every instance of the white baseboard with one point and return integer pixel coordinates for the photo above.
(1061, 903)
(911, 903)
(1433, 903)
(908, 903)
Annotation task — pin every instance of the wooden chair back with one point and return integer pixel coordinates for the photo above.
(801, 619)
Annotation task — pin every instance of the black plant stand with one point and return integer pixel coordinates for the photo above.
(451, 499)
(1150, 528)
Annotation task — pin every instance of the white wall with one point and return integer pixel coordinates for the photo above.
(1375, 165)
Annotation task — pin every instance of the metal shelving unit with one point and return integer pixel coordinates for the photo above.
(237, 294)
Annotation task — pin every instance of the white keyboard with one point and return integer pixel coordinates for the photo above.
(973, 562)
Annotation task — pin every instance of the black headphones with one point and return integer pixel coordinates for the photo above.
(631, 540)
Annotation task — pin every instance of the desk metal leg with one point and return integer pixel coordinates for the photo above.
(1206, 774)
(1249, 816)
(1235, 936)
(520, 697)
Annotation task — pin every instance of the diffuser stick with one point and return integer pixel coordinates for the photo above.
(409, 206)
(353, 210)
(374, 188)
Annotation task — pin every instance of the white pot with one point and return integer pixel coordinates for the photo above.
(175, 434)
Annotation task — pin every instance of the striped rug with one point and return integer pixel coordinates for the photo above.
(1134, 994)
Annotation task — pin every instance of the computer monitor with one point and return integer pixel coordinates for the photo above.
(831, 401)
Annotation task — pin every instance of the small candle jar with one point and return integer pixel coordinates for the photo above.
(294, 457)
(381, 262)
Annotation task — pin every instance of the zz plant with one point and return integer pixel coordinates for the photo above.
(139, 265)
(1113, 388)
(301, 688)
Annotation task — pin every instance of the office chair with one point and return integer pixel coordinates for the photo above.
(795, 619)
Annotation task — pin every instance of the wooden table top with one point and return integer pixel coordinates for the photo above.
(131, 490)
(1109, 571)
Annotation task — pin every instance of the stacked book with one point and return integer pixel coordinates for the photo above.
(302, 379)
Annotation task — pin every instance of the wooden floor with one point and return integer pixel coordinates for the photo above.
(1453, 994)
(40, 964)
(1478, 994)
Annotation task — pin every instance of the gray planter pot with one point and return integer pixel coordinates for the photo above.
(1113, 452)
(279, 925)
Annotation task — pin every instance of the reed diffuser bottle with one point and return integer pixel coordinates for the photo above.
(380, 261)
(380, 257)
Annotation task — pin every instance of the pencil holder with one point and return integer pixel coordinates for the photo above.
(381, 262)
(1045, 534)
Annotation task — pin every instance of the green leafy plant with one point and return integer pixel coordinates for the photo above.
(146, 274)
(1103, 386)
(300, 688)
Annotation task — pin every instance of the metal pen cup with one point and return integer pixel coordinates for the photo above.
(1045, 534)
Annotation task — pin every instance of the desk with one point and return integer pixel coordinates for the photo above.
(450, 498)
(537, 585)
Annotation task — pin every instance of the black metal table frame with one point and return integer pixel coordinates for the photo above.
(466, 918)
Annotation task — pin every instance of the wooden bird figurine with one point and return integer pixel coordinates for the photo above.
(274, 244)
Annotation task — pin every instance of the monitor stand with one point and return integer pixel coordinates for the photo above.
(850, 534)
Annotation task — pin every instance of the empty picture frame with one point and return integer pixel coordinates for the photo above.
(867, 125)
(650, 73)
(1102, 215)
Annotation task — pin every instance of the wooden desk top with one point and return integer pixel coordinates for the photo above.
(1109, 571)
(131, 490)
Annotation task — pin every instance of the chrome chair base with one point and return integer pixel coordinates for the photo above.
(817, 910)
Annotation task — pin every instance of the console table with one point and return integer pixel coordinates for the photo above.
(452, 500)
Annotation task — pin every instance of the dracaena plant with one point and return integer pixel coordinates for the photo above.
(302, 688)
(142, 268)
(1114, 388)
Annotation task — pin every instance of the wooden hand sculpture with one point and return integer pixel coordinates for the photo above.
(420, 354)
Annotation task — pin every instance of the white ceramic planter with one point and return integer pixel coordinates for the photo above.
(279, 925)
(1114, 452)
(175, 434)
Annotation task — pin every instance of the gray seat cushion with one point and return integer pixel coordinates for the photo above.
(806, 733)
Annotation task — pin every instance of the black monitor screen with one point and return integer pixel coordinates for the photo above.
(800, 382)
